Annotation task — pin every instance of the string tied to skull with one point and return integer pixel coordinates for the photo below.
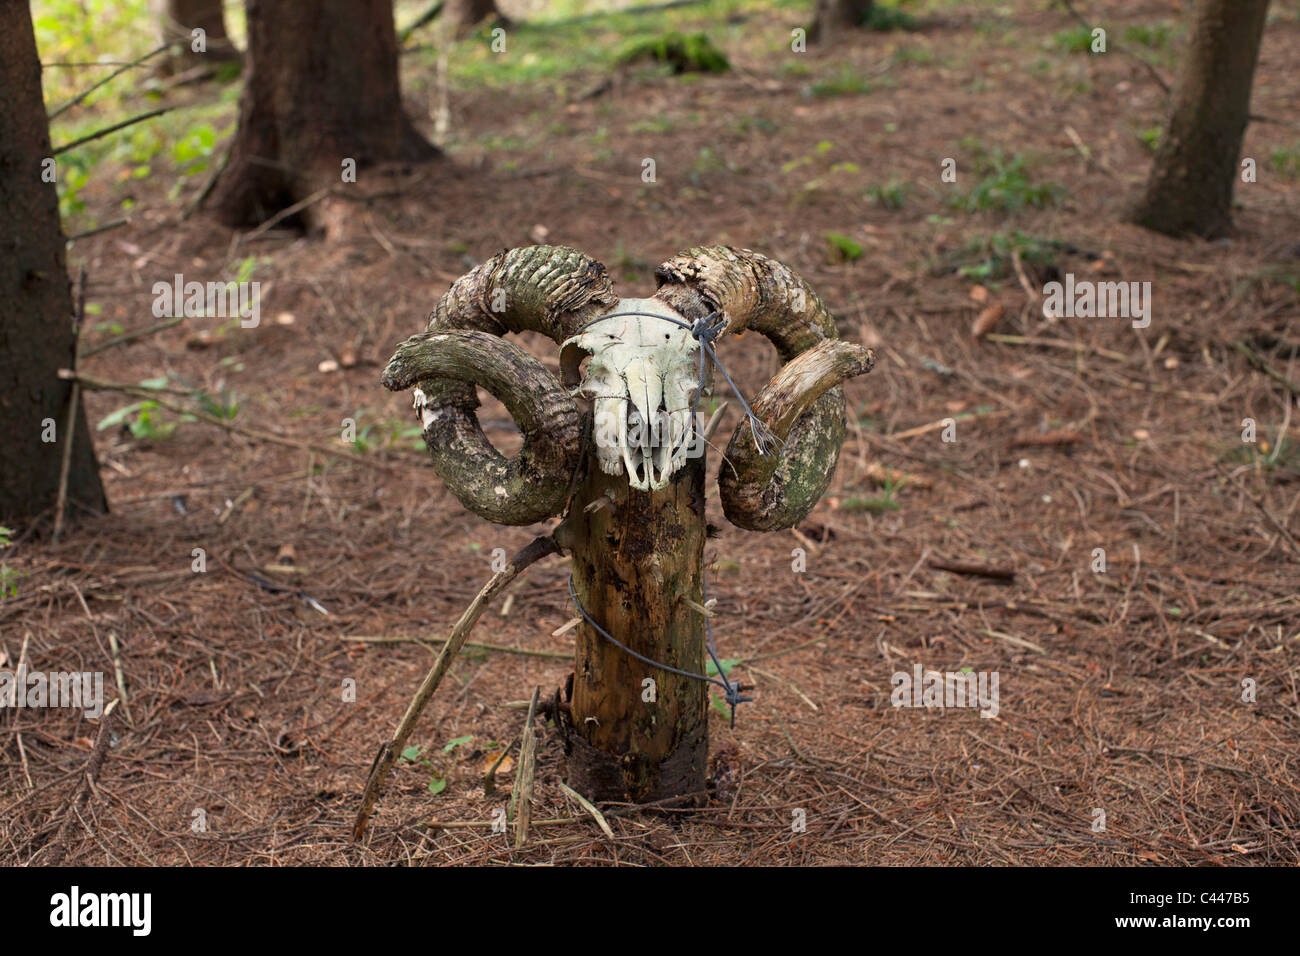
(704, 330)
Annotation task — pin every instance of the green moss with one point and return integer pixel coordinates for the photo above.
(685, 53)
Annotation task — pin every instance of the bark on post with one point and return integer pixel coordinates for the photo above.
(1191, 182)
(634, 560)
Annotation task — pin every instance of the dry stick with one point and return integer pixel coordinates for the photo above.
(1057, 344)
(80, 97)
(500, 648)
(288, 211)
(1258, 362)
(589, 807)
(112, 129)
(93, 765)
(490, 778)
(521, 795)
(98, 385)
(125, 220)
(120, 676)
(130, 336)
(975, 570)
(536, 550)
(74, 400)
(935, 426)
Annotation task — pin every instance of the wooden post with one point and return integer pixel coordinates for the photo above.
(634, 561)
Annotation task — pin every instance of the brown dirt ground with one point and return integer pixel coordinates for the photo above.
(1119, 691)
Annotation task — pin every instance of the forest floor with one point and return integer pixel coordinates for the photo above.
(1148, 713)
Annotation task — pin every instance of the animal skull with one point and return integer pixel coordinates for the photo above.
(642, 380)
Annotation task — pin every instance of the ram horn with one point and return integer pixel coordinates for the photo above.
(803, 405)
(549, 289)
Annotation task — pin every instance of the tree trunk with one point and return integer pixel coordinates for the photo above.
(177, 20)
(633, 562)
(36, 335)
(322, 89)
(461, 15)
(834, 16)
(1190, 186)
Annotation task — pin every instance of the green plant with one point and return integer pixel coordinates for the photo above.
(1005, 185)
(1285, 161)
(843, 82)
(227, 407)
(7, 575)
(913, 54)
(841, 248)
(1150, 137)
(992, 258)
(890, 195)
(415, 754)
(1153, 36)
(885, 19)
(1074, 40)
(885, 501)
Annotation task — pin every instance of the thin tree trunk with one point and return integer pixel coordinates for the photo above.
(633, 563)
(1190, 186)
(177, 20)
(836, 16)
(36, 335)
(461, 15)
(322, 89)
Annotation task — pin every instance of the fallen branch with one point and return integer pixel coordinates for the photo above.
(80, 97)
(112, 129)
(1257, 360)
(539, 548)
(423, 642)
(98, 229)
(128, 336)
(975, 570)
(1060, 436)
(590, 808)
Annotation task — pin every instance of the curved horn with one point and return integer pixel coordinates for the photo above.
(549, 289)
(803, 405)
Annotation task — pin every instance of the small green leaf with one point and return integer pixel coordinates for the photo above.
(118, 416)
(411, 752)
(437, 785)
(453, 744)
(711, 670)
